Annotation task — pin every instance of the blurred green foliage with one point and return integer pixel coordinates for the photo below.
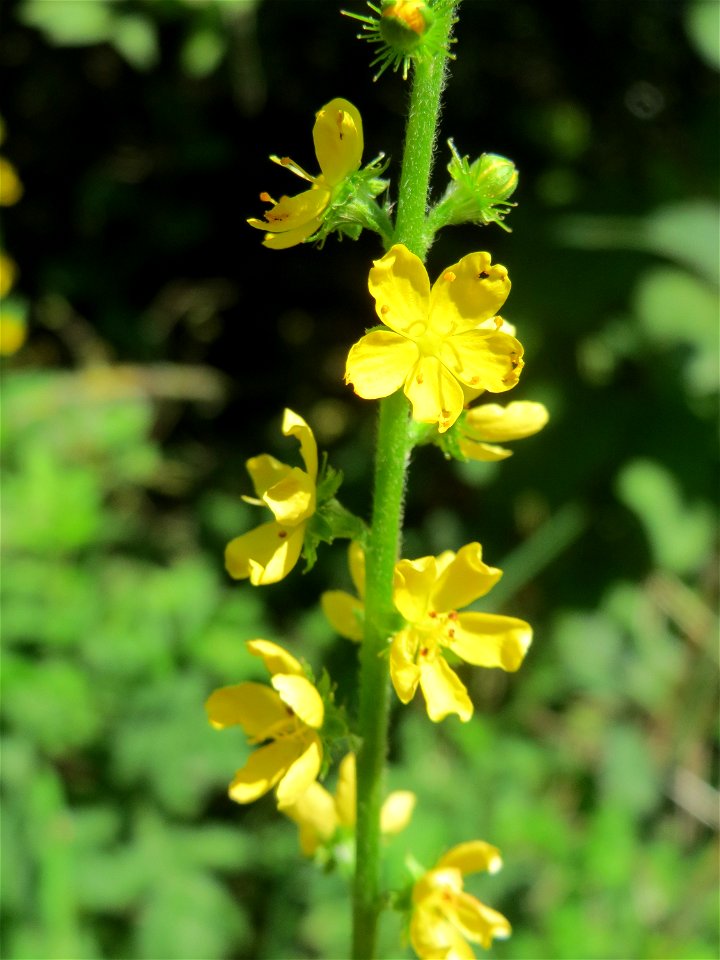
(141, 132)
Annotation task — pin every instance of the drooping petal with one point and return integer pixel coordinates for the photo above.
(413, 584)
(480, 924)
(346, 791)
(401, 288)
(356, 562)
(472, 856)
(404, 672)
(266, 554)
(344, 612)
(464, 579)
(444, 692)
(264, 769)
(397, 810)
(491, 640)
(378, 364)
(275, 658)
(291, 238)
(434, 392)
(314, 813)
(338, 138)
(467, 293)
(294, 426)
(492, 421)
(302, 771)
(479, 358)
(293, 213)
(484, 452)
(301, 697)
(433, 938)
(292, 499)
(254, 706)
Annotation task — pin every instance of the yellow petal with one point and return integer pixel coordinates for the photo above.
(301, 772)
(8, 273)
(446, 880)
(396, 811)
(346, 791)
(274, 657)
(413, 584)
(480, 924)
(266, 554)
(291, 238)
(378, 364)
(302, 698)
(356, 562)
(314, 812)
(254, 706)
(492, 421)
(464, 579)
(292, 499)
(472, 857)
(491, 640)
(338, 138)
(404, 672)
(479, 358)
(467, 293)
(401, 288)
(264, 769)
(435, 394)
(444, 692)
(344, 612)
(11, 188)
(484, 452)
(293, 213)
(294, 426)
(265, 471)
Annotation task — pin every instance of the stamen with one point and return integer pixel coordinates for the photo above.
(498, 321)
(384, 309)
(432, 613)
(282, 534)
(453, 615)
(483, 275)
(449, 276)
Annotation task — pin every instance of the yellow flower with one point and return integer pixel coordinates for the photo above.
(269, 552)
(289, 716)
(491, 421)
(13, 330)
(338, 139)
(344, 611)
(427, 592)
(319, 814)
(435, 348)
(444, 916)
(8, 273)
(11, 189)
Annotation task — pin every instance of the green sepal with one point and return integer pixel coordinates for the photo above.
(478, 192)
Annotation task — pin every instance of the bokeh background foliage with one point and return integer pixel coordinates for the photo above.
(163, 343)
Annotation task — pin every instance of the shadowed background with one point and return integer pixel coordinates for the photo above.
(163, 342)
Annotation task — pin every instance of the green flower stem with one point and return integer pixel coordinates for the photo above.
(394, 443)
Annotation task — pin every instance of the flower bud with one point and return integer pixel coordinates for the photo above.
(403, 23)
(478, 192)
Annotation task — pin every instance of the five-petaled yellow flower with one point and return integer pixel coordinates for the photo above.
(445, 917)
(269, 552)
(491, 421)
(338, 139)
(319, 814)
(428, 593)
(288, 716)
(435, 348)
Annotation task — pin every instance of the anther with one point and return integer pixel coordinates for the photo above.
(282, 534)
(384, 309)
(449, 276)
(483, 275)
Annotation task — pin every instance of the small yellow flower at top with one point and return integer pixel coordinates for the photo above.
(338, 139)
(436, 348)
(319, 814)
(444, 917)
(428, 593)
(491, 421)
(286, 719)
(269, 552)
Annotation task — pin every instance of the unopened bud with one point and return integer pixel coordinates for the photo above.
(478, 192)
(403, 23)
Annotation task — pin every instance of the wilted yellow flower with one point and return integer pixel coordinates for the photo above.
(428, 593)
(319, 814)
(445, 917)
(338, 139)
(436, 348)
(344, 611)
(288, 716)
(269, 552)
(491, 421)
